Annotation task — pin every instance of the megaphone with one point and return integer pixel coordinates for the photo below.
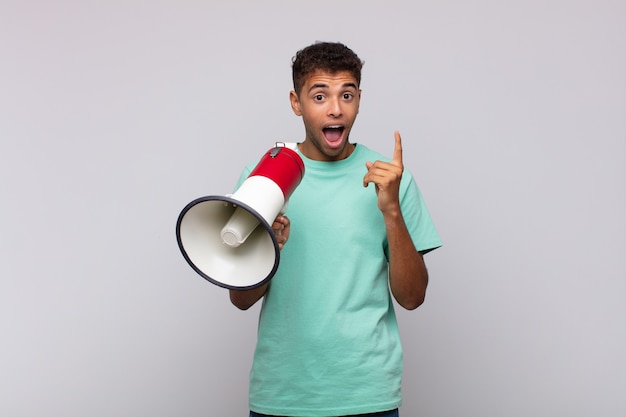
(228, 240)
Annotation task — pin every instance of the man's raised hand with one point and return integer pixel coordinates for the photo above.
(386, 177)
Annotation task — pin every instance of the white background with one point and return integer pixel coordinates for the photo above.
(115, 114)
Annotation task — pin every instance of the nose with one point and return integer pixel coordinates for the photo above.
(334, 108)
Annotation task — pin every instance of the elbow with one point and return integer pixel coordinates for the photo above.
(413, 303)
(408, 282)
(240, 306)
(238, 301)
(244, 299)
(410, 298)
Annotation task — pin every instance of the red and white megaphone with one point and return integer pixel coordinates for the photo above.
(229, 240)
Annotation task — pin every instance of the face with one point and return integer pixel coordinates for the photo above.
(328, 104)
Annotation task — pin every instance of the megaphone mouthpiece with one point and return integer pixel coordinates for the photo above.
(239, 227)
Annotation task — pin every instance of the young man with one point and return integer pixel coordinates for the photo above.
(328, 341)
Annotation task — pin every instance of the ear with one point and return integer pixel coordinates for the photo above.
(295, 103)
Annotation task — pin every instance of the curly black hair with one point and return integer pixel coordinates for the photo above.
(330, 57)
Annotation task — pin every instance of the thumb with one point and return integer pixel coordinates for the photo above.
(368, 165)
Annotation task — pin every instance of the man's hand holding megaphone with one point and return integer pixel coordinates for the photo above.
(281, 228)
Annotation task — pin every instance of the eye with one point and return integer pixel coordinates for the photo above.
(347, 96)
(318, 97)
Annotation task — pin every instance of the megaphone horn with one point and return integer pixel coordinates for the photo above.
(221, 237)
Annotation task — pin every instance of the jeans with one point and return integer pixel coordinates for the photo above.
(390, 413)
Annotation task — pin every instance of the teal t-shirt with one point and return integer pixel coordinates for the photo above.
(328, 341)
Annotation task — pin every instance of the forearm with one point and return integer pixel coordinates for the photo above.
(408, 276)
(244, 299)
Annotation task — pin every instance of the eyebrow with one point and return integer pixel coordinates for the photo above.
(322, 85)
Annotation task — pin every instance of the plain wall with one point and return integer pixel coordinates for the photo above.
(116, 114)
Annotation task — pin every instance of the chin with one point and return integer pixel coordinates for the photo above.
(336, 151)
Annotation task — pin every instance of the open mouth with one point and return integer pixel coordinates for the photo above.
(333, 134)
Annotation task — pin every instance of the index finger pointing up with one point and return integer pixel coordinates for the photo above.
(397, 150)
